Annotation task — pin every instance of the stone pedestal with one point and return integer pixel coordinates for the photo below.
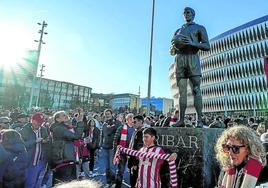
(196, 163)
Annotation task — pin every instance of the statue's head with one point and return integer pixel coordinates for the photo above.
(189, 14)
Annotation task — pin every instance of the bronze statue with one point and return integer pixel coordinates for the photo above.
(185, 44)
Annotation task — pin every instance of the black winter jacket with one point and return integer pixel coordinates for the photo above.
(108, 133)
(62, 141)
(136, 145)
(14, 166)
(29, 139)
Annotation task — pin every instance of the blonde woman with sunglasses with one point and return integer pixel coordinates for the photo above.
(241, 156)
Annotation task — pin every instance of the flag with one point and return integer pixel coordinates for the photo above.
(266, 68)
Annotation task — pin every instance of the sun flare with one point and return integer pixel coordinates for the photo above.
(14, 41)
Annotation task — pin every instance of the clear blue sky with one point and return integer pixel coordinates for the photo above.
(104, 44)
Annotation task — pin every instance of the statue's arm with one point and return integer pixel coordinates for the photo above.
(172, 49)
(204, 42)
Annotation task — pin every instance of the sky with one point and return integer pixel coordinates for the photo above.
(105, 44)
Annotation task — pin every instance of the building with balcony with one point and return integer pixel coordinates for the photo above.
(234, 72)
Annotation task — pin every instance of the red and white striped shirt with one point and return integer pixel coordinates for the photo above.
(150, 153)
(149, 175)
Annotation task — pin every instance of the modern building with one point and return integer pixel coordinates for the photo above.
(127, 101)
(61, 95)
(234, 79)
(16, 86)
(100, 102)
(53, 94)
(159, 105)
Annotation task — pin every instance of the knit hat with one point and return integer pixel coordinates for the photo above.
(38, 117)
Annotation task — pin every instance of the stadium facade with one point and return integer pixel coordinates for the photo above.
(234, 72)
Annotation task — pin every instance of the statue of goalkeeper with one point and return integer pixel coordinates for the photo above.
(185, 44)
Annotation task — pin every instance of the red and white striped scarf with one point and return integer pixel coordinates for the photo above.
(172, 121)
(140, 154)
(123, 138)
(38, 148)
(252, 172)
(70, 127)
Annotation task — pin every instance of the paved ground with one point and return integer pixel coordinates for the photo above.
(99, 170)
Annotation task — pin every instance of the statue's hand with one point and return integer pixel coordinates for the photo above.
(187, 40)
(172, 50)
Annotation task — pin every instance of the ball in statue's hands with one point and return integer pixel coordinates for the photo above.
(178, 42)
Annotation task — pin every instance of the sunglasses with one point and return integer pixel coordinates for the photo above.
(4, 123)
(235, 149)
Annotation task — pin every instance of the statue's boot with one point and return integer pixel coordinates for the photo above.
(199, 124)
(180, 124)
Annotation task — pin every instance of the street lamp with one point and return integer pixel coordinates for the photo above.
(40, 84)
(40, 42)
(150, 64)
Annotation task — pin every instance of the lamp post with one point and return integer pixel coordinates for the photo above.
(150, 64)
(40, 84)
(40, 42)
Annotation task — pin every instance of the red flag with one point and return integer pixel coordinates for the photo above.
(266, 68)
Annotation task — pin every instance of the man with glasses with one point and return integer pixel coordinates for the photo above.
(186, 43)
(242, 157)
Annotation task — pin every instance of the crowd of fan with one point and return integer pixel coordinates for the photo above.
(40, 149)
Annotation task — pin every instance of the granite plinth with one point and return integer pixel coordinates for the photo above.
(196, 163)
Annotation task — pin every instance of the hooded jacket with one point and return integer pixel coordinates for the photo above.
(14, 165)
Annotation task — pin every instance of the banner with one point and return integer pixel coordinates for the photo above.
(266, 68)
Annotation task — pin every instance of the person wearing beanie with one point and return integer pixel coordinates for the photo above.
(35, 137)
